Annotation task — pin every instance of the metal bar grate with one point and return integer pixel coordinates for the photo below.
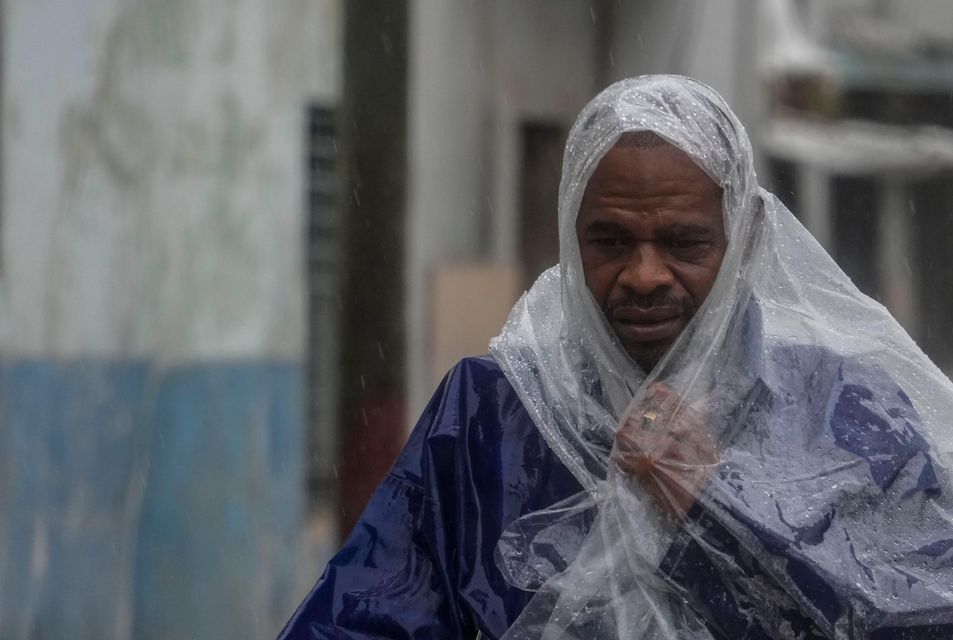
(322, 256)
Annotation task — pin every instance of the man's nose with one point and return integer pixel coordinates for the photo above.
(646, 270)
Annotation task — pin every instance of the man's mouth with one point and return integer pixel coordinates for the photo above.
(634, 324)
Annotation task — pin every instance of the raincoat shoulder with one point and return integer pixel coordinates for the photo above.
(419, 562)
(843, 519)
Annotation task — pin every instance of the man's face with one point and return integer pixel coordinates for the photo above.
(652, 240)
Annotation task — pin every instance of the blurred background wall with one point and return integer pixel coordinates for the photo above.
(242, 240)
(151, 377)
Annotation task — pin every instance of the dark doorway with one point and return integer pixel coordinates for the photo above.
(856, 226)
(784, 177)
(932, 257)
(539, 196)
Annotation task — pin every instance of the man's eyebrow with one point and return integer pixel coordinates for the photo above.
(678, 229)
(605, 226)
(686, 229)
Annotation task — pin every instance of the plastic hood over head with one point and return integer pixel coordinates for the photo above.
(782, 364)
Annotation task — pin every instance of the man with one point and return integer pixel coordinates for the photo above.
(694, 427)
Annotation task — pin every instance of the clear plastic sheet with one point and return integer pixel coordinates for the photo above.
(813, 481)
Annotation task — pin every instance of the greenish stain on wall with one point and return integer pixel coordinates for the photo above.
(161, 30)
(239, 139)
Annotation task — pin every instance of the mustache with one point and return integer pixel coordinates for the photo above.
(658, 299)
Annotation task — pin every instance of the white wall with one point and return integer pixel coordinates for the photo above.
(545, 62)
(711, 40)
(933, 17)
(477, 69)
(152, 159)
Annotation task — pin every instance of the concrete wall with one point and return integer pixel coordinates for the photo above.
(152, 157)
(933, 17)
(714, 41)
(478, 69)
(151, 313)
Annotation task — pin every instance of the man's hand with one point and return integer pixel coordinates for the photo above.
(671, 454)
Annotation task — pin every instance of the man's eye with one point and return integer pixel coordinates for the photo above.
(687, 244)
(610, 241)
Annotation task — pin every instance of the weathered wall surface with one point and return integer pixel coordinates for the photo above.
(151, 312)
(711, 40)
(154, 169)
(478, 71)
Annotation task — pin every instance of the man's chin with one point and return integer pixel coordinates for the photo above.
(647, 355)
(646, 344)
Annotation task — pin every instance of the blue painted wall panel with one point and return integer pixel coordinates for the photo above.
(161, 501)
(68, 441)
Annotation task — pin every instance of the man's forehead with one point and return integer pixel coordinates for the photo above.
(641, 140)
(645, 160)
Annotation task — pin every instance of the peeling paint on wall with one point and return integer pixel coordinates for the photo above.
(171, 200)
(151, 313)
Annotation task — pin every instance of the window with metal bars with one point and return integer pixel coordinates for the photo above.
(322, 257)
